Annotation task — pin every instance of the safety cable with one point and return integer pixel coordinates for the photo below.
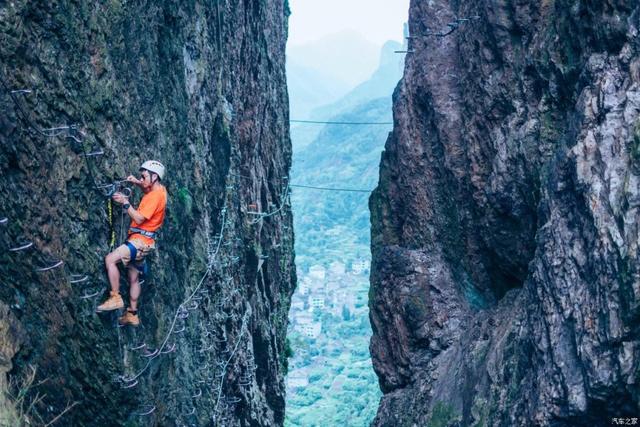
(331, 188)
(228, 360)
(339, 123)
(313, 186)
(182, 305)
(25, 117)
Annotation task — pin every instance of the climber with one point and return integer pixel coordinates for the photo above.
(145, 222)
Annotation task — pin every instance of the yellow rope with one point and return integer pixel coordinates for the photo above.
(112, 240)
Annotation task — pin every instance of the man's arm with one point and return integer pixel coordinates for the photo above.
(136, 216)
(132, 179)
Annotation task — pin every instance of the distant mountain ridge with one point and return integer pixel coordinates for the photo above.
(380, 84)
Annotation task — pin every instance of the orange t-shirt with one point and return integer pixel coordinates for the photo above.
(152, 207)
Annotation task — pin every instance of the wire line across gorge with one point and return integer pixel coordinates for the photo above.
(340, 123)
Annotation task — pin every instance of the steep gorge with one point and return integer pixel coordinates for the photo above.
(505, 277)
(199, 85)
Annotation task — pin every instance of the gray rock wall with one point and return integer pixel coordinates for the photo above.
(199, 85)
(505, 282)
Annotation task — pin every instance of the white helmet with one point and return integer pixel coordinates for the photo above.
(155, 167)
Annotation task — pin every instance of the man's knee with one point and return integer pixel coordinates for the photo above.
(111, 258)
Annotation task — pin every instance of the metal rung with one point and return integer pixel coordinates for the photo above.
(95, 153)
(51, 267)
(4, 220)
(169, 350)
(204, 350)
(78, 278)
(177, 331)
(22, 91)
(146, 410)
(139, 347)
(133, 384)
(23, 246)
(91, 295)
(151, 353)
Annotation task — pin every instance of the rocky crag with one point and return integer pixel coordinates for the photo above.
(506, 278)
(90, 90)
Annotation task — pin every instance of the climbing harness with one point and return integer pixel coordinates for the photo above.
(140, 266)
(145, 233)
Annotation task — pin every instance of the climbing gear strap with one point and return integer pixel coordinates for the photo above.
(145, 233)
(142, 268)
(112, 230)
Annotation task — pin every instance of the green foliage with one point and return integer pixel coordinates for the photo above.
(288, 351)
(185, 200)
(443, 415)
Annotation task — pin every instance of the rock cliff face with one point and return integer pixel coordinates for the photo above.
(199, 85)
(506, 274)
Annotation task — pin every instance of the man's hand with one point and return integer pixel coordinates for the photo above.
(120, 198)
(132, 179)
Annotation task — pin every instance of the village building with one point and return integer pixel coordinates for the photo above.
(317, 272)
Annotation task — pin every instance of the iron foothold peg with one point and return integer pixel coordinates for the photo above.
(49, 267)
(139, 347)
(95, 153)
(145, 410)
(93, 295)
(4, 220)
(177, 331)
(78, 278)
(232, 400)
(22, 91)
(204, 350)
(171, 349)
(21, 246)
(150, 353)
(131, 385)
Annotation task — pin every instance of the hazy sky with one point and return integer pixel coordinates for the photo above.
(376, 20)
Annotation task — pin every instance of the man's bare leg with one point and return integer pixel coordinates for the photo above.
(114, 302)
(134, 287)
(111, 263)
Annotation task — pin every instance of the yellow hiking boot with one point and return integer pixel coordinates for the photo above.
(114, 302)
(129, 318)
